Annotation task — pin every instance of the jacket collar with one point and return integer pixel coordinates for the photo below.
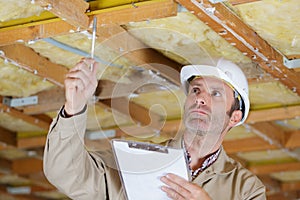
(223, 165)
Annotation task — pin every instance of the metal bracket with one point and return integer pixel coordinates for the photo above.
(216, 1)
(15, 102)
(291, 64)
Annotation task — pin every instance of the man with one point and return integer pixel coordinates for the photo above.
(217, 100)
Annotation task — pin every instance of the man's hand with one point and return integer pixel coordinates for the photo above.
(180, 189)
(80, 85)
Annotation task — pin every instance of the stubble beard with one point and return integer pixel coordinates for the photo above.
(204, 125)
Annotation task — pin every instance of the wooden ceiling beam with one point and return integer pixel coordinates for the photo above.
(271, 131)
(292, 139)
(116, 37)
(22, 166)
(283, 195)
(6, 195)
(26, 118)
(28, 59)
(27, 166)
(272, 114)
(246, 145)
(11, 138)
(136, 12)
(290, 186)
(137, 113)
(31, 142)
(273, 168)
(49, 100)
(73, 11)
(222, 20)
(238, 2)
(8, 137)
(121, 14)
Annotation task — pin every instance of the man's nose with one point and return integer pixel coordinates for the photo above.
(201, 99)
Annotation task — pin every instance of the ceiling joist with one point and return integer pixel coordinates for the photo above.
(222, 20)
(28, 59)
(121, 15)
(139, 53)
(73, 11)
(137, 113)
(27, 118)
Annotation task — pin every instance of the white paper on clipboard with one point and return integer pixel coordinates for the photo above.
(142, 164)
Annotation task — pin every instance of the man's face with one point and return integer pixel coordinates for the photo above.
(207, 104)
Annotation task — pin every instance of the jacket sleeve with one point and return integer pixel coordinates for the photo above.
(253, 188)
(68, 165)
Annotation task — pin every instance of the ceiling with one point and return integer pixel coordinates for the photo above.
(141, 46)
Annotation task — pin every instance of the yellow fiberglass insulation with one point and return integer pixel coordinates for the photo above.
(17, 82)
(15, 9)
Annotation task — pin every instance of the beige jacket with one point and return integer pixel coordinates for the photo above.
(84, 175)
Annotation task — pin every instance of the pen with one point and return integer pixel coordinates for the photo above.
(93, 39)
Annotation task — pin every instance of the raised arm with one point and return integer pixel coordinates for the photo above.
(67, 164)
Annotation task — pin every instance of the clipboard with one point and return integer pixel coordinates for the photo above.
(142, 164)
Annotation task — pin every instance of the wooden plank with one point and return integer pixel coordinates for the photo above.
(222, 19)
(31, 61)
(293, 139)
(279, 195)
(271, 131)
(72, 11)
(272, 168)
(8, 137)
(170, 128)
(49, 100)
(31, 142)
(115, 37)
(272, 114)
(44, 29)
(290, 186)
(238, 2)
(136, 12)
(6, 195)
(27, 118)
(246, 145)
(105, 89)
(121, 15)
(137, 113)
(26, 166)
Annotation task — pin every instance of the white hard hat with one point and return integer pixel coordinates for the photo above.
(226, 71)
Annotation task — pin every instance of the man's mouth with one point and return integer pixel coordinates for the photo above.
(199, 111)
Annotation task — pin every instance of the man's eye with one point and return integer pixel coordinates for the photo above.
(195, 90)
(216, 93)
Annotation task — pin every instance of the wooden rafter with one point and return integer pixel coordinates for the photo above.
(31, 61)
(22, 166)
(274, 133)
(136, 112)
(272, 168)
(273, 114)
(237, 2)
(115, 37)
(247, 145)
(8, 137)
(27, 118)
(222, 20)
(73, 11)
(121, 15)
(290, 186)
(49, 100)
(292, 139)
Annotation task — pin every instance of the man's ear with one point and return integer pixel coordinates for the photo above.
(235, 118)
